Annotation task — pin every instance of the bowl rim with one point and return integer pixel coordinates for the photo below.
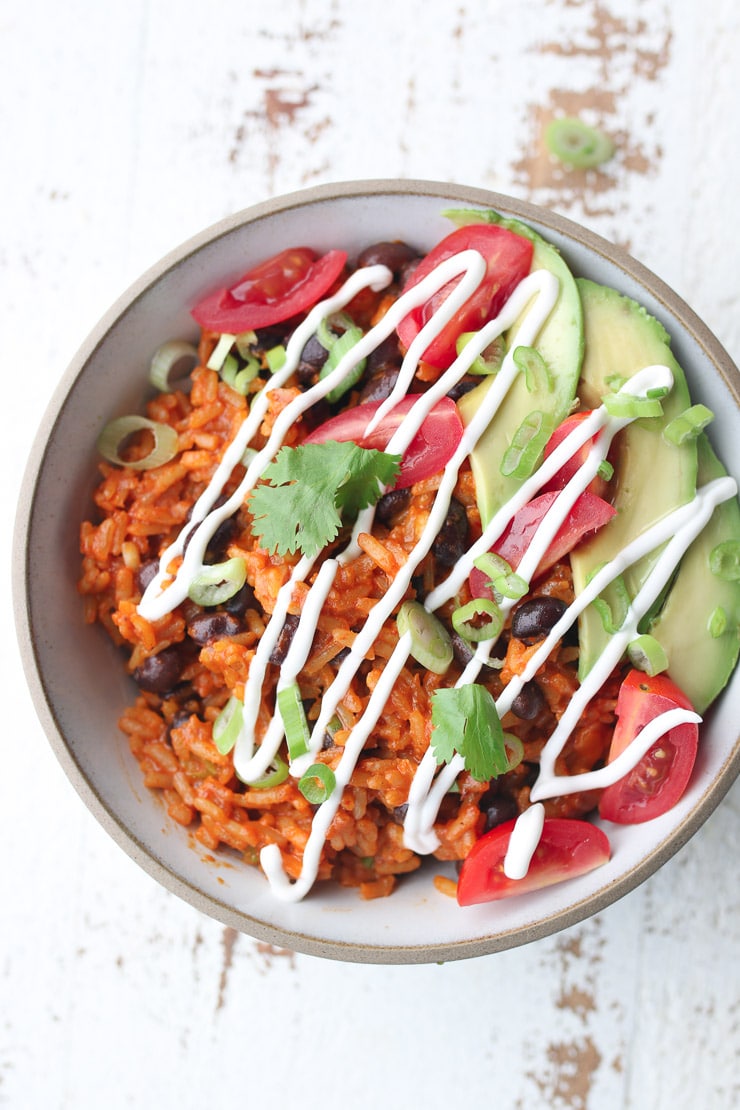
(149, 861)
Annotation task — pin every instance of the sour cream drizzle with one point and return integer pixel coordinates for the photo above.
(533, 300)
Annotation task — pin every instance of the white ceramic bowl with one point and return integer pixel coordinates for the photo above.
(75, 674)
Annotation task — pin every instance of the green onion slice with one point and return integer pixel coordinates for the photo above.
(648, 655)
(227, 726)
(172, 364)
(628, 406)
(430, 641)
(275, 358)
(217, 583)
(514, 750)
(338, 345)
(113, 437)
(523, 453)
(688, 424)
(572, 141)
(724, 560)
(605, 470)
(490, 358)
(613, 604)
(317, 784)
(462, 620)
(274, 777)
(536, 374)
(290, 707)
(717, 623)
(502, 578)
(245, 342)
(220, 351)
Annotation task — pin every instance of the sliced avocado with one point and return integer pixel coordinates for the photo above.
(560, 343)
(699, 662)
(651, 477)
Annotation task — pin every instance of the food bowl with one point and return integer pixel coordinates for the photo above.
(75, 673)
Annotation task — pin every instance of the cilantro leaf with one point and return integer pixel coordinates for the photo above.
(308, 489)
(465, 721)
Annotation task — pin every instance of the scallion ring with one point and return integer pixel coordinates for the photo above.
(227, 726)
(338, 345)
(648, 655)
(218, 582)
(172, 365)
(572, 141)
(537, 377)
(112, 440)
(717, 623)
(220, 351)
(430, 641)
(275, 358)
(290, 707)
(688, 425)
(523, 453)
(277, 775)
(514, 750)
(628, 406)
(724, 560)
(462, 620)
(317, 784)
(489, 360)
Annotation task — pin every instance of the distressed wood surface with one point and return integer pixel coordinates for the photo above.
(128, 127)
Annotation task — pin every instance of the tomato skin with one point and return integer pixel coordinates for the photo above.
(430, 449)
(271, 292)
(588, 514)
(508, 260)
(662, 775)
(561, 478)
(567, 848)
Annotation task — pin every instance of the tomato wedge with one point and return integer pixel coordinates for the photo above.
(561, 478)
(662, 775)
(588, 514)
(278, 288)
(430, 449)
(567, 848)
(508, 259)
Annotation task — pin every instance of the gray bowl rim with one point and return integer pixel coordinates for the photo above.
(139, 852)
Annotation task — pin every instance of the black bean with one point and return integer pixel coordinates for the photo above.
(390, 504)
(313, 357)
(529, 702)
(387, 353)
(452, 538)
(146, 573)
(285, 639)
(207, 627)
(379, 385)
(497, 809)
(399, 812)
(466, 383)
(239, 602)
(395, 256)
(220, 540)
(461, 649)
(161, 673)
(534, 619)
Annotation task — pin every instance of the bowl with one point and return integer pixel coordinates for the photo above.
(75, 674)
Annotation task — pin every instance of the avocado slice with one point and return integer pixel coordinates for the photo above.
(699, 662)
(651, 477)
(560, 343)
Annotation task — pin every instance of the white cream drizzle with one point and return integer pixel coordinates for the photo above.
(534, 297)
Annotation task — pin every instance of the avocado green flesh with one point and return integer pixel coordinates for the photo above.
(651, 477)
(698, 662)
(560, 343)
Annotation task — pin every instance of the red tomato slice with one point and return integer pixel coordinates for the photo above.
(429, 451)
(567, 848)
(561, 478)
(281, 287)
(508, 259)
(662, 775)
(588, 514)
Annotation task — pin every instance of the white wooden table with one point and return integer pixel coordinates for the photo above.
(126, 128)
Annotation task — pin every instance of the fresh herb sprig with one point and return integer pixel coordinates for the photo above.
(465, 722)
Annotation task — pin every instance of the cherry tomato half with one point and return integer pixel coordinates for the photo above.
(430, 449)
(508, 259)
(278, 288)
(567, 848)
(561, 478)
(588, 514)
(662, 775)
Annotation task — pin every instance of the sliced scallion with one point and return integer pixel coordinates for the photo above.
(717, 623)
(572, 141)
(606, 470)
(338, 345)
(613, 603)
(430, 641)
(688, 424)
(490, 358)
(537, 377)
(502, 578)
(514, 750)
(274, 777)
(648, 655)
(724, 560)
(217, 583)
(317, 784)
(172, 364)
(227, 726)
(245, 342)
(463, 618)
(113, 437)
(523, 453)
(295, 724)
(275, 358)
(628, 406)
(220, 351)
